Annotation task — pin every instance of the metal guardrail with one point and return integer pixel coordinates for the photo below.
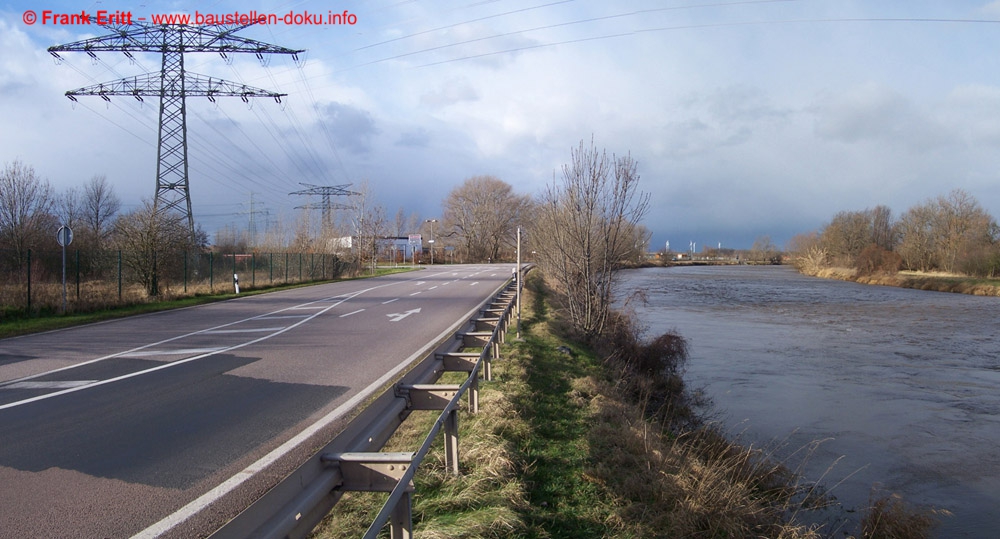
(353, 462)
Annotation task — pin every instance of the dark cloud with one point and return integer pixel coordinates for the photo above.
(351, 128)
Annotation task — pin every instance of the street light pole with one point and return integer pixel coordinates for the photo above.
(518, 284)
(432, 221)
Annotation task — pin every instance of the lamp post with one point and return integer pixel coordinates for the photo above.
(432, 221)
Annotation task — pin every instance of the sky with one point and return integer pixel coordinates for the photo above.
(746, 118)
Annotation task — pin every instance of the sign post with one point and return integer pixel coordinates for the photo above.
(64, 236)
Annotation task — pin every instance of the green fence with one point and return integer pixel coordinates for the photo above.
(33, 281)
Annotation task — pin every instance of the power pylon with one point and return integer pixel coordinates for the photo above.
(326, 204)
(172, 85)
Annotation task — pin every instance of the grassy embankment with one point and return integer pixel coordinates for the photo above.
(570, 445)
(101, 306)
(938, 282)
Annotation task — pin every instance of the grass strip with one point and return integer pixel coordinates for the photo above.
(12, 325)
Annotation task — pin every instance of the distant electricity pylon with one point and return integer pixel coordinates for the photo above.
(325, 191)
(172, 85)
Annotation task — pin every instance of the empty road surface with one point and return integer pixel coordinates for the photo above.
(134, 426)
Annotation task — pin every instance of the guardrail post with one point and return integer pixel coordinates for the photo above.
(464, 362)
(401, 524)
(451, 441)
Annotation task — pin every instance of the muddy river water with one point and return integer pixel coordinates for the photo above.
(902, 385)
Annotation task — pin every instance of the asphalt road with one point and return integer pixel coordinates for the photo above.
(130, 426)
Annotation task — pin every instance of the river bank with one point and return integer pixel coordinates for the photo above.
(569, 442)
(937, 282)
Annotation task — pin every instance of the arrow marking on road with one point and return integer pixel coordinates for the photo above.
(396, 317)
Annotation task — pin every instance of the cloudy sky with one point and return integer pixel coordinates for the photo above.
(746, 118)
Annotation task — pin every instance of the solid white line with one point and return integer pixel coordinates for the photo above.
(180, 351)
(350, 313)
(390, 301)
(254, 330)
(210, 497)
(49, 385)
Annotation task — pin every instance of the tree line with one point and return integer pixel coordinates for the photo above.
(581, 229)
(949, 233)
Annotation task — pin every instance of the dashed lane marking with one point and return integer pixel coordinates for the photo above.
(350, 313)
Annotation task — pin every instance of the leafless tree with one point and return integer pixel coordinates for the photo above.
(482, 216)
(69, 208)
(152, 246)
(369, 223)
(937, 233)
(585, 227)
(26, 204)
(883, 228)
(962, 225)
(764, 251)
(100, 206)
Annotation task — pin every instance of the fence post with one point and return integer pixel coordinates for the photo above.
(156, 286)
(253, 269)
(29, 281)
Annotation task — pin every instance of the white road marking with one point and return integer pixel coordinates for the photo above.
(180, 351)
(396, 317)
(390, 301)
(254, 330)
(415, 293)
(50, 385)
(279, 317)
(432, 288)
(138, 350)
(474, 284)
(177, 517)
(350, 313)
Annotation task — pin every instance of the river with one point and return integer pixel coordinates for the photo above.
(902, 385)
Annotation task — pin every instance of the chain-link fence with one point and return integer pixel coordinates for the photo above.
(32, 282)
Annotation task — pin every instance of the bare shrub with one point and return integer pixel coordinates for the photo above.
(874, 259)
(889, 517)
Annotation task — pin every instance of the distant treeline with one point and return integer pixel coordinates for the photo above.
(950, 233)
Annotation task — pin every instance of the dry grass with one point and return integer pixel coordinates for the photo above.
(930, 281)
(889, 517)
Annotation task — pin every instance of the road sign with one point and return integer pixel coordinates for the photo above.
(64, 236)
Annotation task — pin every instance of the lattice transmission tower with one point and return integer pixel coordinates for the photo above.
(172, 85)
(327, 205)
